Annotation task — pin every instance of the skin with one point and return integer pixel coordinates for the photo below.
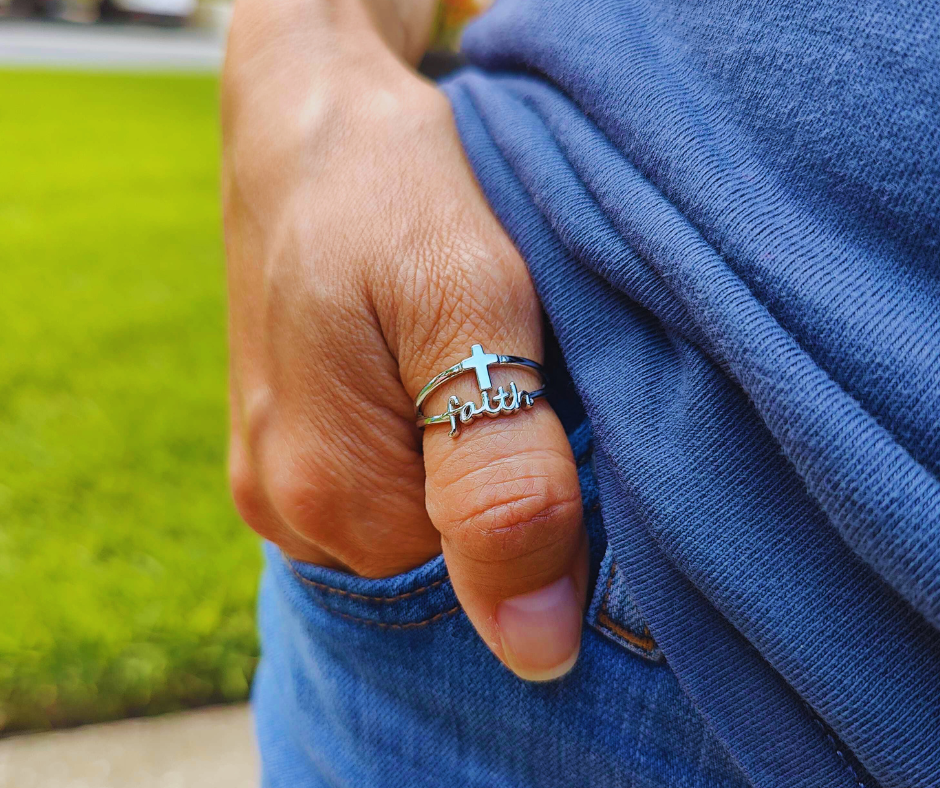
(363, 259)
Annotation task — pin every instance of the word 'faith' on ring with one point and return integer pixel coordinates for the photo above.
(468, 410)
(491, 405)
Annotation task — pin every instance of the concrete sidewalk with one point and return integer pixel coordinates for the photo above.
(28, 43)
(208, 748)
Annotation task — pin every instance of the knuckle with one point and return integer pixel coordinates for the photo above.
(298, 496)
(250, 499)
(316, 509)
(289, 480)
(459, 279)
(505, 519)
(246, 492)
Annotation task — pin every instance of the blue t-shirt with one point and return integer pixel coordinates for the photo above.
(731, 209)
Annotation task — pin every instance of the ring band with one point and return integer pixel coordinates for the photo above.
(500, 404)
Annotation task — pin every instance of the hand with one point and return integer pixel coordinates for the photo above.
(363, 259)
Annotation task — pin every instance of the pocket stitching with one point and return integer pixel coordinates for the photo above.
(383, 625)
(644, 641)
(362, 597)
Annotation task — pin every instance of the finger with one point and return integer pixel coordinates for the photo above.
(506, 501)
(256, 510)
(504, 493)
(332, 453)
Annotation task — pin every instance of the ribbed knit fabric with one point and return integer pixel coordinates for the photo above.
(731, 209)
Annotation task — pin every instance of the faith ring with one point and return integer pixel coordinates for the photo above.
(499, 404)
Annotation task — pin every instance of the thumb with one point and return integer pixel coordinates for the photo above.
(503, 492)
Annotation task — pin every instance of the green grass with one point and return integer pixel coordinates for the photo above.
(127, 584)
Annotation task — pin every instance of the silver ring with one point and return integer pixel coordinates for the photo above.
(502, 403)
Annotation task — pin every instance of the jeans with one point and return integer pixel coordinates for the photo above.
(374, 683)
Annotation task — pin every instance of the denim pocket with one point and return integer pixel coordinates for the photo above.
(423, 596)
(374, 683)
(612, 611)
(614, 614)
(416, 598)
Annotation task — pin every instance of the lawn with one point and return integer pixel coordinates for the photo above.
(127, 583)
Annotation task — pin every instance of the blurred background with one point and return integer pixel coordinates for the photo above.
(127, 582)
